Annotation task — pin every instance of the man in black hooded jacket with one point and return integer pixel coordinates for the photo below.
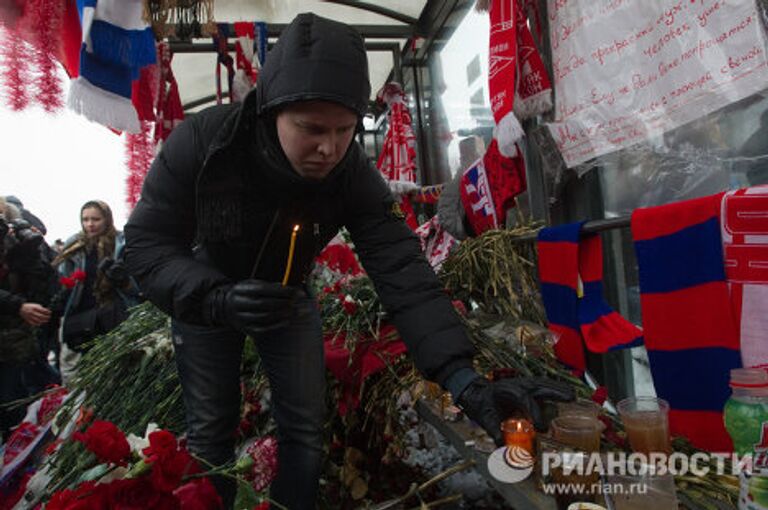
(209, 238)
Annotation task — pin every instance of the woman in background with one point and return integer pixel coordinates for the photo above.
(99, 300)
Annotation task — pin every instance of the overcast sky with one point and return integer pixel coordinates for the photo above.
(56, 163)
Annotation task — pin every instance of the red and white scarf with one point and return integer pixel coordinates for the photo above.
(502, 55)
(517, 79)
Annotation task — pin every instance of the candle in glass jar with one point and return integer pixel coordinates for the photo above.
(519, 432)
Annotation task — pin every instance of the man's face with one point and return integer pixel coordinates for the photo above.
(315, 135)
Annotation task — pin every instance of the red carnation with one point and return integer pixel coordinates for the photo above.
(264, 505)
(263, 453)
(169, 462)
(168, 472)
(78, 275)
(107, 441)
(198, 494)
(458, 305)
(349, 306)
(138, 494)
(67, 282)
(600, 395)
(161, 444)
(86, 496)
(340, 257)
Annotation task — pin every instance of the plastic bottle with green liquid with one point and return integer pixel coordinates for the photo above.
(744, 414)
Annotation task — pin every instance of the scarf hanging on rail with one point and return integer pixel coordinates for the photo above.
(571, 274)
(518, 83)
(488, 188)
(502, 55)
(475, 193)
(223, 58)
(117, 43)
(246, 59)
(397, 161)
(689, 327)
(168, 108)
(533, 92)
(744, 229)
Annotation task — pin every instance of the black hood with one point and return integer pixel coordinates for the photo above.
(315, 58)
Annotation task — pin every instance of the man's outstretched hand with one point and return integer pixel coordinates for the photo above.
(488, 403)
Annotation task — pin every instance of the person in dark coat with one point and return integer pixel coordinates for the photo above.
(26, 285)
(208, 244)
(27, 214)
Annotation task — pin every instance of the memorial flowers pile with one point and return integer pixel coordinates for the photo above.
(160, 475)
(156, 472)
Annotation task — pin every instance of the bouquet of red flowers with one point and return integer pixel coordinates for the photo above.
(156, 472)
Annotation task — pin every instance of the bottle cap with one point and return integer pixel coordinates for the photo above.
(749, 378)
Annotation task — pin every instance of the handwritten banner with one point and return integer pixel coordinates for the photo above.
(627, 70)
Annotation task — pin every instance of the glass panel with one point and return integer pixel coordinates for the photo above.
(455, 99)
(725, 150)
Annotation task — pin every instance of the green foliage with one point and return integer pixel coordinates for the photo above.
(128, 377)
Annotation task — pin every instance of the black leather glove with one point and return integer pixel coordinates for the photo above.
(114, 270)
(487, 403)
(251, 306)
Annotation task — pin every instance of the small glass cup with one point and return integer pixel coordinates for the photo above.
(519, 432)
(646, 421)
(640, 492)
(579, 407)
(579, 432)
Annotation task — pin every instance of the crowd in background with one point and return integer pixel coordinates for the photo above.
(54, 300)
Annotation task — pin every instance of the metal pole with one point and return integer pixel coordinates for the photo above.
(590, 227)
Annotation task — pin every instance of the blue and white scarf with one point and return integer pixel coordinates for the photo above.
(117, 43)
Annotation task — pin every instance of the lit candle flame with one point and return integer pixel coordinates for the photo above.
(291, 249)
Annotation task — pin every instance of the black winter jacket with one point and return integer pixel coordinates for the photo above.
(221, 194)
(25, 276)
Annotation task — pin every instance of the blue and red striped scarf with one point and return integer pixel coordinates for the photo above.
(689, 326)
(571, 274)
